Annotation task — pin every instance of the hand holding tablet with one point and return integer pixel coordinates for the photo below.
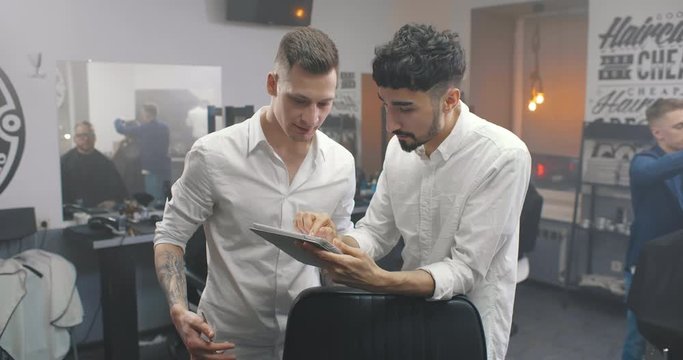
(286, 241)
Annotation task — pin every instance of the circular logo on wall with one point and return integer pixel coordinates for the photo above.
(12, 132)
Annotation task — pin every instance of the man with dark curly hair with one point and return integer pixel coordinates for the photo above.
(452, 186)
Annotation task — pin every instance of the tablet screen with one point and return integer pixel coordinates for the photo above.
(286, 241)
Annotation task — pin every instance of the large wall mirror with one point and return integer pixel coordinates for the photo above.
(124, 129)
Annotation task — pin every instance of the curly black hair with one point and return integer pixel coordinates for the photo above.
(419, 58)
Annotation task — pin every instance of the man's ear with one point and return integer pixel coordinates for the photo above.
(451, 99)
(656, 133)
(271, 83)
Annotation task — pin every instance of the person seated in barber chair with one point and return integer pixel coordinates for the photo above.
(89, 178)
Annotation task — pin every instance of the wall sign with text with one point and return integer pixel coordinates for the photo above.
(12, 131)
(636, 60)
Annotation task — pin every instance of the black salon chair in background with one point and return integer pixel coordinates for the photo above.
(143, 198)
(529, 221)
(196, 266)
(195, 274)
(656, 294)
(342, 323)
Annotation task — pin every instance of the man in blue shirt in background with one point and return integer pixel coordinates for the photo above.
(657, 196)
(152, 137)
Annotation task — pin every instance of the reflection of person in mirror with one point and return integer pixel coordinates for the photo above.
(88, 177)
(152, 137)
(657, 197)
(263, 170)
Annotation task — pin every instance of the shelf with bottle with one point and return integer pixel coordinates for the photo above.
(619, 230)
(614, 186)
(607, 286)
(597, 193)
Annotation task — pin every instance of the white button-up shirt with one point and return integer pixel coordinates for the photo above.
(458, 213)
(233, 178)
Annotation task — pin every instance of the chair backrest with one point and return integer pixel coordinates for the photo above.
(529, 220)
(17, 223)
(656, 293)
(342, 323)
(196, 268)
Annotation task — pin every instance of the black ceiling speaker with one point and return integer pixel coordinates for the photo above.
(272, 12)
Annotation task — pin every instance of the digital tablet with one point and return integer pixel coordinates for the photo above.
(286, 241)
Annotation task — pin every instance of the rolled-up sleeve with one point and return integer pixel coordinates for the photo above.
(191, 203)
(488, 224)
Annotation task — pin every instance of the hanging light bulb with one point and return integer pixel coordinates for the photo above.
(532, 105)
(537, 95)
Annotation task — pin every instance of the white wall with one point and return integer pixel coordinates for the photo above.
(111, 95)
(184, 32)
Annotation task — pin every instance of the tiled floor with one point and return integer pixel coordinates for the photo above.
(552, 325)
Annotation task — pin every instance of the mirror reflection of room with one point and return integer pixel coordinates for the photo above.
(148, 167)
(124, 130)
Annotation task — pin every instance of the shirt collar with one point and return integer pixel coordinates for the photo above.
(452, 142)
(257, 137)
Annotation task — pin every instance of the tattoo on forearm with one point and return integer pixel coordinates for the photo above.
(171, 273)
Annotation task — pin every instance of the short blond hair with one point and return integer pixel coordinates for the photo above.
(309, 48)
(662, 107)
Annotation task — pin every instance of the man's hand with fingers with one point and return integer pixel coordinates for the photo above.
(311, 223)
(193, 329)
(352, 268)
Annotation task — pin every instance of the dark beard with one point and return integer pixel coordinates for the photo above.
(433, 130)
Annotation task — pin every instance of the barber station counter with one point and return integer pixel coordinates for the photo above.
(131, 300)
(123, 262)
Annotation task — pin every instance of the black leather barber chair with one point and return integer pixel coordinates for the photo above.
(529, 221)
(342, 323)
(656, 295)
(17, 223)
(195, 275)
(195, 266)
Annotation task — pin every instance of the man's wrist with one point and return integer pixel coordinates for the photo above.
(417, 283)
(389, 281)
(178, 308)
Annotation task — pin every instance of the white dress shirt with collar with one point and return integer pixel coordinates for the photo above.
(233, 178)
(458, 213)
